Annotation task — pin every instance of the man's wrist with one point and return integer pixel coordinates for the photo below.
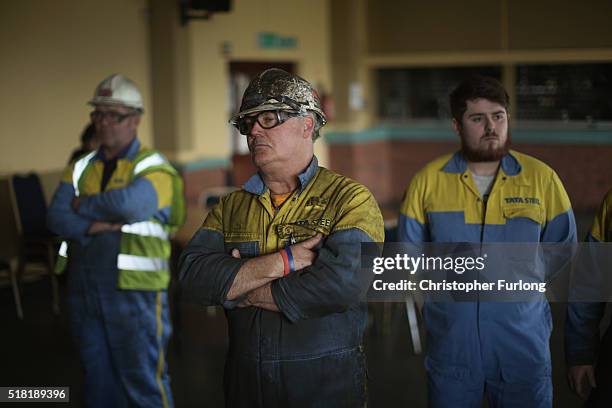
(276, 268)
(291, 261)
(288, 264)
(261, 296)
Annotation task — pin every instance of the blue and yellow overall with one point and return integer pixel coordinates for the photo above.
(502, 346)
(582, 334)
(117, 281)
(309, 354)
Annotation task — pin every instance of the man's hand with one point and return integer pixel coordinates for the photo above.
(576, 376)
(262, 298)
(303, 253)
(99, 227)
(259, 297)
(260, 270)
(245, 302)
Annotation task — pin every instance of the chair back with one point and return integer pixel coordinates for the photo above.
(9, 233)
(31, 206)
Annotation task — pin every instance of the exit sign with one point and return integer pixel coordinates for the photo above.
(276, 41)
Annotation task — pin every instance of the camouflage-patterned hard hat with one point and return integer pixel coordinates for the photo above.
(275, 89)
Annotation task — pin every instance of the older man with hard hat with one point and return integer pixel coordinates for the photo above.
(117, 207)
(282, 255)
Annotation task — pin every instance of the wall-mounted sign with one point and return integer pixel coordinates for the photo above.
(356, 99)
(275, 41)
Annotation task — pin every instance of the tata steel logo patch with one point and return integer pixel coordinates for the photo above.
(522, 200)
(105, 92)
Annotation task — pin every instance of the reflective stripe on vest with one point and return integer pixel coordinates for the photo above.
(155, 159)
(148, 239)
(62, 258)
(79, 168)
(146, 229)
(63, 250)
(146, 270)
(141, 263)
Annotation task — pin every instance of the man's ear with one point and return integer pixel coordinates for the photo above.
(308, 126)
(456, 127)
(137, 122)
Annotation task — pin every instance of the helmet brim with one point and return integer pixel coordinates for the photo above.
(110, 101)
(261, 108)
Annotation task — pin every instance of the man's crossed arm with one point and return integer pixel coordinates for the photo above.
(256, 275)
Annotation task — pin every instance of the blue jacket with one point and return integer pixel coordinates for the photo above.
(527, 203)
(582, 336)
(153, 198)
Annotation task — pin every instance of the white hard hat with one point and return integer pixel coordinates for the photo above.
(117, 89)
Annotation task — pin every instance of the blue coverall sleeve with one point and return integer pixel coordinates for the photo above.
(582, 334)
(206, 271)
(331, 285)
(411, 230)
(560, 222)
(412, 220)
(62, 219)
(559, 227)
(133, 203)
(582, 337)
(335, 281)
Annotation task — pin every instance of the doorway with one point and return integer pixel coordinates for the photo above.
(241, 74)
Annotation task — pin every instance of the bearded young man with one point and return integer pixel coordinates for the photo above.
(497, 349)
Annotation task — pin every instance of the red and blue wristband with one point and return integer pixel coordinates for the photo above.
(289, 264)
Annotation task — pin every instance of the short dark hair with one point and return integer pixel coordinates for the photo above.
(474, 88)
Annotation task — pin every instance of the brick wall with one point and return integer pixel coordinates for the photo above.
(386, 167)
(197, 181)
(586, 170)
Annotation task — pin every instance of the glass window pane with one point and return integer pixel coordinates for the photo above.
(577, 92)
(422, 93)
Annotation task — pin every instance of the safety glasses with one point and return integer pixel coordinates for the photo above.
(113, 117)
(266, 119)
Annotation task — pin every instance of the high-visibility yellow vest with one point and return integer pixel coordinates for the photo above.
(143, 260)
